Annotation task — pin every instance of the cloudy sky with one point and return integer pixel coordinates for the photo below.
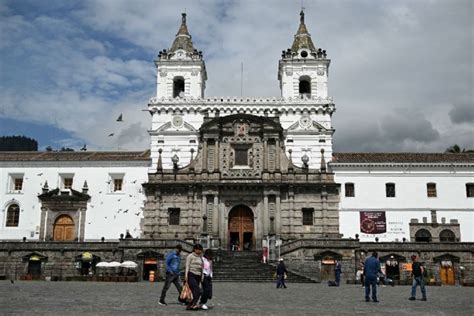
(401, 73)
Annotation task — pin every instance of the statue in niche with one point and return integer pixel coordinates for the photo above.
(241, 129)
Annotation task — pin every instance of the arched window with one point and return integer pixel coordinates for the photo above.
(447, 235)
(13, 215)
(178, 87)
(305, 86)
(423, 236)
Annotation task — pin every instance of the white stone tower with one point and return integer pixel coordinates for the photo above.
(303, 76)
(181, 75)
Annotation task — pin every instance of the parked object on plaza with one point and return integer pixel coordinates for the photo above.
(129, 265)
(418, 273)
(371, 271)
(193, 275)
(207, 278)
(281, 274)
(173, 262)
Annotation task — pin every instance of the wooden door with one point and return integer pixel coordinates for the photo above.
(240, 223)
(447, 275)
(63, 229)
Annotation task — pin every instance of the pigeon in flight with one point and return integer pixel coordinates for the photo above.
(134, 181)
(137, 213)
(120, 119)
(111, 134)
(40, 174)
(126, 211)
(84, 148)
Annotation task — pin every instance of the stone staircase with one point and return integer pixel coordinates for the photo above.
(246, 266)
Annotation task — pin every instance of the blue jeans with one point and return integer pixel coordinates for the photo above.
(281, 281)
(338, 277)
(370, 282)
(418, 281)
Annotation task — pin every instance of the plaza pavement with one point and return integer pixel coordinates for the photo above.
(95, 298)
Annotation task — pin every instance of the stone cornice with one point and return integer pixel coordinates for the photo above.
(337, 165)
(229, 104)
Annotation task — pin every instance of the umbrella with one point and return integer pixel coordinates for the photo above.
(113, 264)
(129, 264)
(102, 264)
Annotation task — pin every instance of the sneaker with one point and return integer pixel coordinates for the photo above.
(204, 307)
(412, 298)
(376, 301)
(423, 299)
(161, 302)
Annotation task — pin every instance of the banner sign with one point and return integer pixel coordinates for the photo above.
(373, 222)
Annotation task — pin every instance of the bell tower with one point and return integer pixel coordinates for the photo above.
(303, 69)
(181, 71)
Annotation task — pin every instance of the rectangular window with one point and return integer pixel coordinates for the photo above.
(431, 189)
(18, 184)
(349, 187)
(173, 215)
(241, 156)
(118, 184)
(67, 183)
(390, 189)
(470, 190)
(308, 216)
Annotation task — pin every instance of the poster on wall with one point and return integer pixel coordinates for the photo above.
(373, 222)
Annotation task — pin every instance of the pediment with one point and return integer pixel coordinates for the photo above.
(313, 126)
(446, 257)
(168, 127)
(34, 256)
(255, 124)
(63, 195)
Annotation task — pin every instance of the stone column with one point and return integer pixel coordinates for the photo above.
(216, 155)
(190, 213)
(278, 214)
(265, 154)
(204, 155)
(291, 197)
(43, 223)
(266, 218)
(277, 155)
(215, 216)
(204, 210)
(222, 225)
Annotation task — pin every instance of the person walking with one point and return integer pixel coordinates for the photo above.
(337, 272)
(207, 278)
(173, 261)
(281, 272)
(193, 275)
(371, 271)
(417, 273)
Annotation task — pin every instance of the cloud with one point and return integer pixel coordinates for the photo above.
(462, 113)
(77, 65)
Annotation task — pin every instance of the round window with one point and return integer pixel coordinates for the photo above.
(304, 54)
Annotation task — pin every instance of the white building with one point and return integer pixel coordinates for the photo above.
(379, 196)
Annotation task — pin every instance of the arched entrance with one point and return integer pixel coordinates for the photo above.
(241, 228)
(63, 228)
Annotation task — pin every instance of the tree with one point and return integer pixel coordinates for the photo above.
(18, 143)
(456, 149)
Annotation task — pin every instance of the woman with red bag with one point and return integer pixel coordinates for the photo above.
(193, 275)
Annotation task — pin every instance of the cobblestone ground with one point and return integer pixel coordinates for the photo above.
(95, 298)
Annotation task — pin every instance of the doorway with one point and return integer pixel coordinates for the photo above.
(63, 228)
(447, 274)
(241, 228)
(150, 266)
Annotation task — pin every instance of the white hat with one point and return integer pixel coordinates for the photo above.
(281, 259)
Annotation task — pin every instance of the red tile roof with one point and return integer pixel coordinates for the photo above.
(75, 155)
(402, 158)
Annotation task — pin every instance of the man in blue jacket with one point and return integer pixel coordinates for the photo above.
(173, 260)
(371, 271)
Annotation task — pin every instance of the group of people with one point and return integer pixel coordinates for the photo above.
(197, 276)
(372, 272)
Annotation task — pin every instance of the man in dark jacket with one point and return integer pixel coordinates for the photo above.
(173, 260)
(417, 274)
(281, 272)
(371, 270)
(337, 272)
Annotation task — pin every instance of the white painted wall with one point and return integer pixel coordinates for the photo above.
(102, 219)
(411, 199)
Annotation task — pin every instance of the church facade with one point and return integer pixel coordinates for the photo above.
(239, 171)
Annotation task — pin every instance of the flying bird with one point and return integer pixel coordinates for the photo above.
(111, 134)
(134, 181)
(126, 211)
(40, 174)
(120, 119)
(137, 213)
(119, 200)
(100, 192)
(84, 148)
